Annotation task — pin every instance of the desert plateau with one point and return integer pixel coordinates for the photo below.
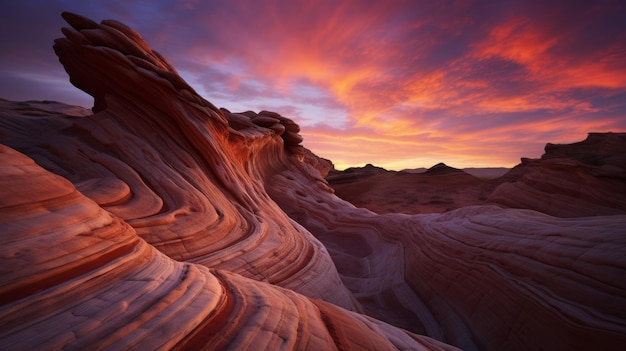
(158, 221)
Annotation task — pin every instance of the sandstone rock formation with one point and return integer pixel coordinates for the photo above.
(479, 277)
(168, 163)
(162, 222)
(164, 170)
(439, 189)
(76, 276)
(587, 178)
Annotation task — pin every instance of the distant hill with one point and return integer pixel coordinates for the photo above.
(484, 173)
(439, 188)
(353, 174)
(441, 169)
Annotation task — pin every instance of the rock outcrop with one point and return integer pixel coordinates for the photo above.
(439, 189)
(76, 276)
(354, 174)
(162, 222)
(587, 178)
(170, 164)
(164, 237)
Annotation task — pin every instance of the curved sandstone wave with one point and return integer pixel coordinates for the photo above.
(76, 276)
(162, 222)
(169, 164)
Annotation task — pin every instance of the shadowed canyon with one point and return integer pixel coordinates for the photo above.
(157, 221)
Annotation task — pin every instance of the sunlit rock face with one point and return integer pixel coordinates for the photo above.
(76, 276)
(148, 226)
(162, 222)
(169, 164)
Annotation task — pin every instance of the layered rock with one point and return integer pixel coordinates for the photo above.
(162, 186)
(162, 222)
(518, 279)
(479, 277)
(587, 178)
(169, 163)
(75, 276)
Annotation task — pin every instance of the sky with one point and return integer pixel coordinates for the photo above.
(399, 84)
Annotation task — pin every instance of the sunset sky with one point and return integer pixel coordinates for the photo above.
(400, 84)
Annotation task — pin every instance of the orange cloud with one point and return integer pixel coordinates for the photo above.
(404, 82)
(399, 83)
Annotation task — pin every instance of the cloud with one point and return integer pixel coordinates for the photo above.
(481, 83)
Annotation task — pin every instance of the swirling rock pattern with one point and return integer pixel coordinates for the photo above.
(76, 276)
(113, 250)
(162, 222)
(169, 164)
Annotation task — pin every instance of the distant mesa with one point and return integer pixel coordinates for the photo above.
(586, 178)
(596, 150)
(569, 180)
(368, 168)
(438, 189)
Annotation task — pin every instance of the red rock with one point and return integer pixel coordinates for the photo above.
(587, 178)
(292, 138)
(264, 121)
(100, 284)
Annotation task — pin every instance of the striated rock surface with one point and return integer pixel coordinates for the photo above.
(479, 277)
(169, 163)
(587, 178)
(156, 231)
(161, 222)
(76, 276)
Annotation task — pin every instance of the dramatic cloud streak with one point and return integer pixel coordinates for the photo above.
(398, 83)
